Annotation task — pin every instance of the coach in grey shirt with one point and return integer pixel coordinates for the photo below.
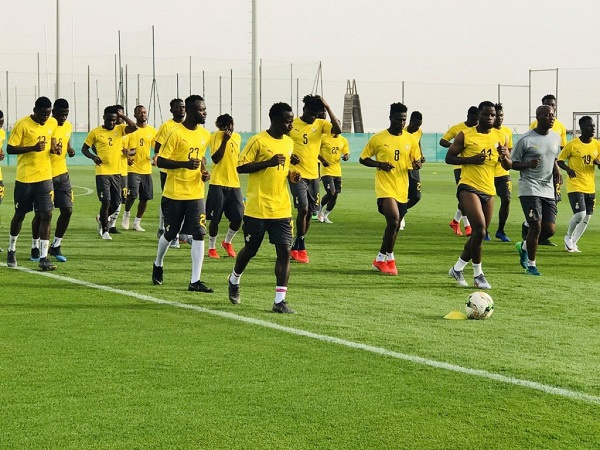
(535, 157)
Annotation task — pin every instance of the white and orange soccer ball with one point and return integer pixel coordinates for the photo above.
(479, 306)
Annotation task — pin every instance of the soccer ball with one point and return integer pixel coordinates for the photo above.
(479, 306)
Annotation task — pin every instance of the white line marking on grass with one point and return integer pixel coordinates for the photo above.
(552, 390)
(88, 191)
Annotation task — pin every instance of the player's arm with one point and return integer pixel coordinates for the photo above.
(18, 149)
(218, 155)
(556, 174)
(504, 156)
(70, 150)
(85, 149)
(517, 156)
(444, 143)
(456, 149)
(131, 125)
(563, 166)
(252, 167)
(370, 162)
(336, 127)
(165, 163)
(323, 161)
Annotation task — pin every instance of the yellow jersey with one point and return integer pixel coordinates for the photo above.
(453, 131)
(184, 144)
(580, 157)
(142, 140)
(417, 135)
(163, 131)
(558, 128)
(109, 146)
(307, 144)
(224, 173)
(32, 167)
(332, 149)
(62, 135)
(481, 177)
(2, 138)
(507, 132)
(400, 151)
(267, 196)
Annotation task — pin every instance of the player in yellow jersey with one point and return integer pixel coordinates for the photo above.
(307, 133)
(395, 153)
(63, 193)
(266, 158)
(445, 142)
(478, 150)
(224, 192)
(2, 138)
(183, 196)
(334, 148)
(578, 159)
(107, 143)
(414, 176)
(502, 178)
(178, 112)
(30, 140)
(139, 175)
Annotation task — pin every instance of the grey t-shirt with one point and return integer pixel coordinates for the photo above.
(537, 182)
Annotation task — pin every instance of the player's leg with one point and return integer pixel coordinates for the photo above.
(479, 210)
(35, 237)
(195, 221)
(161, 219)
(114, 215)
(280, 235)
(23, 198)
(215, 201)
(146, 193)
(63, 200)
(44, 203)
(590, 200)
(385, 259)
(234, 212)
(299, 192)
(329, 187)
(173, 217)
(133, 182)
(532, 207)
(503, 190)
(103, 189)
(458, 215)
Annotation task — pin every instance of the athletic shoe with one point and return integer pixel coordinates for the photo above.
(568, 244)
(157, 274)
(106, 236)
(46, 265)
(391, 267)
(468, 230)
(125, 222)
(314, 216)
(547, 242)
(327, 220)
(524, 231)
(199, 286)
(321, 216)
(532, 270)
(212, 253)
(138, 227)
(35, 254)
(300, 255)
(503, 237)
(229, 249)
(381, 266)
(456, 227)
(159, 233)
(481, 283)
(98, 226)
(113, 230)
(487, 237)
(55, 251)
(402, 224)
(282, 308)
(174, 243)
(234, 292)
(11, 259)
(459, 276)
(523, 257)
(576, 249)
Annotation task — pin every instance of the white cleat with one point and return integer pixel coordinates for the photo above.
(569, 244)
(125, 223)
(106, 236)
(481, 283)
(402, 224)
(326, 220)
(459, 276)
(138, 227)
(321, 216)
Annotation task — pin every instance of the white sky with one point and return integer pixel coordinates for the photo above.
(438, 47)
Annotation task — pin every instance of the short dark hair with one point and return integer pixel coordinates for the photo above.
(43, 102)
(498, 107)
(175, 100)
(223, 121)
(584, 119)
(313, 102)
(111, 110)
(397, 108)
(1, 114)
(485, 104)
(61, 103)
(120, 107)
(136, 108)
(193, 99)
(416, 115)
(278, 109)
(473, 111)
(548, 97)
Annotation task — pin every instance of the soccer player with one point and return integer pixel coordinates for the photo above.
(478, 150)
(224, 192)
(2, 138)
(178, 112)
(535, 157)
(578, 159)
(60, 147)
(471, 121)
(30, 140)
(334, 148)
(414, 176)
(107, 142)
(395, 153)
(307, 133)
(502, 178)
(266, 158)
(183, 196)
(139, 176)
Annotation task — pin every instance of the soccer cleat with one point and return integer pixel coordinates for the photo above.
(106, 236)
(35, 254)
(300, 255)
(11, 259)
(46, 265)
(234, 292)
(456, 227)
(391, 267)
(487, 237)
(113, 230)
(314, 216)
(459, 276)
(381, 266)
(547, 242)
(532, 270)
(468, 230)
(55, 251)
(523, 257)
(174, 243)
(321, 216)
(282, 308)
(229, 249)
(138, 227)
(157, 274)
(481, 283)
(98, 225)
(212, 253)
(199, 286)
(327, 220)
(503, 237)
(402, 224)
(125, 222)
(159, 233)
(568, 244)
(576, 249)
(524, 231)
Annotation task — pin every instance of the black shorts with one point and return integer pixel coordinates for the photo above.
(465, 187)
(538, 208)
(108, 188)
(503, 186)
(123, 188)
(581, 202)
(163, 180)
(1, 191)
(402, 207)
(306, 194)
(414, 184)
(39, 195)
(63, 193)
(280, 231)
(222, 199)
(457, 173)
(185, 215)
(333, 185)
(140, 185)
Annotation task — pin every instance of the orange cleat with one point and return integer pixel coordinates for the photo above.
(468, 230)
(391, 267)
(212, 253)
(300, 255)
(229, 249)
(381, 266)
(456, 227)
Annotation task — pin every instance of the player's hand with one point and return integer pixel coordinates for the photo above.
(325, 163)
(502, 152)
(276, 160)
(97, 160)
(71, 152)
(477, 160)
(125, 152)
(417, 164)
(39, 147)
(346, 156)
(385, 166)
(1, 155)
(294, 176)
(325, 104)
(294, 159)
(571, 173)
(205, 175)
(193, 164)
(155, 160)
(534, 163)
(557, 177)
(227, 135)
(130, 160)
(597, 162)
(423, 160)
